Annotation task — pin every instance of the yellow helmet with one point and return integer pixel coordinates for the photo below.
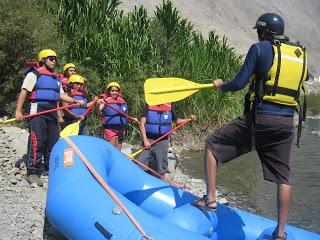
(46, 53)
(113, 84)
(69, 65)
(75, 78)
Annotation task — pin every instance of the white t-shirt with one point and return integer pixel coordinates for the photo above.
(30, 81)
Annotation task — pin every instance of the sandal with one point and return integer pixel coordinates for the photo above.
(204, 204)
(277, 237)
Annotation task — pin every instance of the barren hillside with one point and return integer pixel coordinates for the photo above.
(235, 20)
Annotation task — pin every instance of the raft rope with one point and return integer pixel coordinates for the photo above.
(106, 187)
(131, 156)
(159, 175)
(153, 171)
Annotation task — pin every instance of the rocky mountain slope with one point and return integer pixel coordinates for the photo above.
(235, 20)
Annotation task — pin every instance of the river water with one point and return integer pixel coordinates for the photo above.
(242, 181)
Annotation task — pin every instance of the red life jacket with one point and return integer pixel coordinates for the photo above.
(64, 82)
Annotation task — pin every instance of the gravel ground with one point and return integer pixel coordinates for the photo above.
(22, 206)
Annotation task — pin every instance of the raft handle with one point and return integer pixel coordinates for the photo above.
(104, 232)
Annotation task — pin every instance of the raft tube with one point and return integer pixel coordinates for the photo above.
(80, 208)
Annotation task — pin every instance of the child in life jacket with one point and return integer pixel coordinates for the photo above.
(68, 70)
(75, 114)
(113, 121)
(155, 122)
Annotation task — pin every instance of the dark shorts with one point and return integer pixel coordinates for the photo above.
(159, 153)
(271, 136)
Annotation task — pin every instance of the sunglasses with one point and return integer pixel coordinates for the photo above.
(51, 58)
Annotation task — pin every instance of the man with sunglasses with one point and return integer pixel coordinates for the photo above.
(44, 91)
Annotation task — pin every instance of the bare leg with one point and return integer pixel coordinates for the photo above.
(209, 201)
(116, 143)
(211, 174)
(283, 199)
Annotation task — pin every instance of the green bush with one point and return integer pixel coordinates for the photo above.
(24, 30)
(108, 45)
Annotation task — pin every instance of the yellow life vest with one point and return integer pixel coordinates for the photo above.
(286, 76)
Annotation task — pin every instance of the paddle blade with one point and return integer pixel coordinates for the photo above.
(71, 130)
(163, 90)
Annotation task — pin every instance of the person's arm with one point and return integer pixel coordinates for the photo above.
(143, 132)
(22, 97)
(64, 97)
(179, 121)
(27, 86)
(69, 113)
(100, 105)
(92, 102)
(242, 78)
(60, 115)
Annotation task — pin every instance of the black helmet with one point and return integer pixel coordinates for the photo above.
(270, 22)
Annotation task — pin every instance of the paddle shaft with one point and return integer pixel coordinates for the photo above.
(73, 129)
(158, 174)
(89, 108)
(160, 138)
(182, 88)
(124, 114)
(40, 113)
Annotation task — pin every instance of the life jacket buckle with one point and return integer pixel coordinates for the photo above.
(276, 42)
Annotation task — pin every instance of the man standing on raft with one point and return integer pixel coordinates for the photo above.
(276, 70)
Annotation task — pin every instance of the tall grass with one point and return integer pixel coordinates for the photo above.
(130, 48)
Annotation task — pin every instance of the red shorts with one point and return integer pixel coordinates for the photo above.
(110, 134)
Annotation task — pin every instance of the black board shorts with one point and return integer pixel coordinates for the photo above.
(271, 136)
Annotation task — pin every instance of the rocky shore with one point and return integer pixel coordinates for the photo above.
(22, 207)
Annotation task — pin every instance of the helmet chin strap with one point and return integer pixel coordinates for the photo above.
(263, 35)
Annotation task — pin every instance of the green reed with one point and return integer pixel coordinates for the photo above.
(130, 48)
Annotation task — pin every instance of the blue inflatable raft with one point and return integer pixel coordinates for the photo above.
(80, 208)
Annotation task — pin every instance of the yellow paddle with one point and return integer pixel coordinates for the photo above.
(163, 90)
(73, 129)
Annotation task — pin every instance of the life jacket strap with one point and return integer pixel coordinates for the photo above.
(54, 89)
(281, 90)
(303, 69)
(162, 124)
(302, 112)
(276, 80)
